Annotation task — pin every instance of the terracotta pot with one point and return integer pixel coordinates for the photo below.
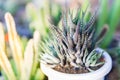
(95, 75)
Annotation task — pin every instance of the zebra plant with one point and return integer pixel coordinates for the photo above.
(73, 44)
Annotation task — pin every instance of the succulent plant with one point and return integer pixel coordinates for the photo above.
(74, 44)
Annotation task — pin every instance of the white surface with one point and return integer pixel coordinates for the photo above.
(96, 75)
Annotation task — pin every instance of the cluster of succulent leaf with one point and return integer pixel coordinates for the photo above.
(73, 44)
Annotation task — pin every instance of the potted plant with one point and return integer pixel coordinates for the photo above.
(72, 52)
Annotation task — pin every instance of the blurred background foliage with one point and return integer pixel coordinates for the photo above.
(17, 60)
(32, 15)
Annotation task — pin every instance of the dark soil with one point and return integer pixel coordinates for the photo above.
(71, 70)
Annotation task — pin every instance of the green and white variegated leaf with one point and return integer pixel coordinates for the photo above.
(92, 59)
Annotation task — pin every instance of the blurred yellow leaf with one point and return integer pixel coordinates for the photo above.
(2, 38)
(14, 41)
(4, 62)
(28, 58)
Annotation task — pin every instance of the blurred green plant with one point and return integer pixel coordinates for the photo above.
(111, 16)
(39, 17)
(23, 65)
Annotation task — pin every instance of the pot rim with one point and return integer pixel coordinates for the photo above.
(101, 72)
